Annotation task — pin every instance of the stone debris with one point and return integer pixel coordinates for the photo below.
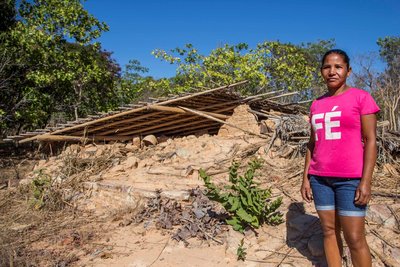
(158, 179)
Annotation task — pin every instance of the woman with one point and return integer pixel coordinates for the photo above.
(340, 160)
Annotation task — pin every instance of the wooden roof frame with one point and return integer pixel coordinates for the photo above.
(175, 116)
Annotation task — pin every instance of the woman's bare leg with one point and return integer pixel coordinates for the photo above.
(333, 245)
(354, 234)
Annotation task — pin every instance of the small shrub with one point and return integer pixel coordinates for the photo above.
(247, 203)
(241, 251)
(44, 194)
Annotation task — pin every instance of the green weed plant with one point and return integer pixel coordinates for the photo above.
(248, 204)
(45, 194)
(40, 186)
(241, 251)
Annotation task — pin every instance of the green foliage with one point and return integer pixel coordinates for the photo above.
(241, 251)
(40, 188)
(390, 49)
(269, 66)
(247, 203)
(50, 62)
(388, 83)
(45, 193)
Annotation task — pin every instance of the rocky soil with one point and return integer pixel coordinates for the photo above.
(141, 204)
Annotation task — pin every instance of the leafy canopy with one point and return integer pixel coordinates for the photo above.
(269, 66)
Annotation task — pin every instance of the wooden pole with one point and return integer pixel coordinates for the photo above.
(287, 94)
(261, 95)
(199, 113)
(173, 124)
(180, 110)
(66, 138)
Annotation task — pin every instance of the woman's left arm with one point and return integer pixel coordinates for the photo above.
(368, 125)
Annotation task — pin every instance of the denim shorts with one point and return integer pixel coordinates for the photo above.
(331, 193)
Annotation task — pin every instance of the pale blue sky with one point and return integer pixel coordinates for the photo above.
(138, 27)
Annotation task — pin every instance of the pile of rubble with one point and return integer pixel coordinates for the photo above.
(155, 183)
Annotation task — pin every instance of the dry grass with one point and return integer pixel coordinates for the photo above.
(23, 226)
(40, 224)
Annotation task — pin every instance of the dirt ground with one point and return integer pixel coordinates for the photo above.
(141, 204)
(108, 185)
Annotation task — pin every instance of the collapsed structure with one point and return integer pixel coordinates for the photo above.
(185, 114)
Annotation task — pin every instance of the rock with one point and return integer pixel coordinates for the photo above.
(176, 194)
(131, 162)
(117, 168)
(131, 147)
(380, 214)
(136, 142)
(90, 150)
(278, 142)
(183, 153)
(144, 163)
(149, 140)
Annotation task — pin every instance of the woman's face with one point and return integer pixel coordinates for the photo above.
(335, 71)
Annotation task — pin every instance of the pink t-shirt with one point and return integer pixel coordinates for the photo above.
(336, 121)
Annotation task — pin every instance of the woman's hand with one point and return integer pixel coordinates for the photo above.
(306, 190)
(363, 193)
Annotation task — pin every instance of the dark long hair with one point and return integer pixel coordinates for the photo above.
(339, 52)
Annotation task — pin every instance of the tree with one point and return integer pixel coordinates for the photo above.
(313, 54)
(270, 66)
(56, 63)
(225, 65)
(388, 85)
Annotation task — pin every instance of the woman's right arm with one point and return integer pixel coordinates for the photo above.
(305, 186)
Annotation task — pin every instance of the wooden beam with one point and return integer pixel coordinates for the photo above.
(90, 130)
(179, 110)
(298, 103)
(287, 94)
(66, 138)
(149, 115)
(210, 124)
(261, 95)
(121, 129)
(175, 119)
(210, 130)
(221, 121)
(180, 127)
(170, 122)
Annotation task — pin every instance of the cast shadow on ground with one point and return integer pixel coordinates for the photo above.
(304, 233)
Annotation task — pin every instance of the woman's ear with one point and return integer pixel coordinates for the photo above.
(349, 72)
